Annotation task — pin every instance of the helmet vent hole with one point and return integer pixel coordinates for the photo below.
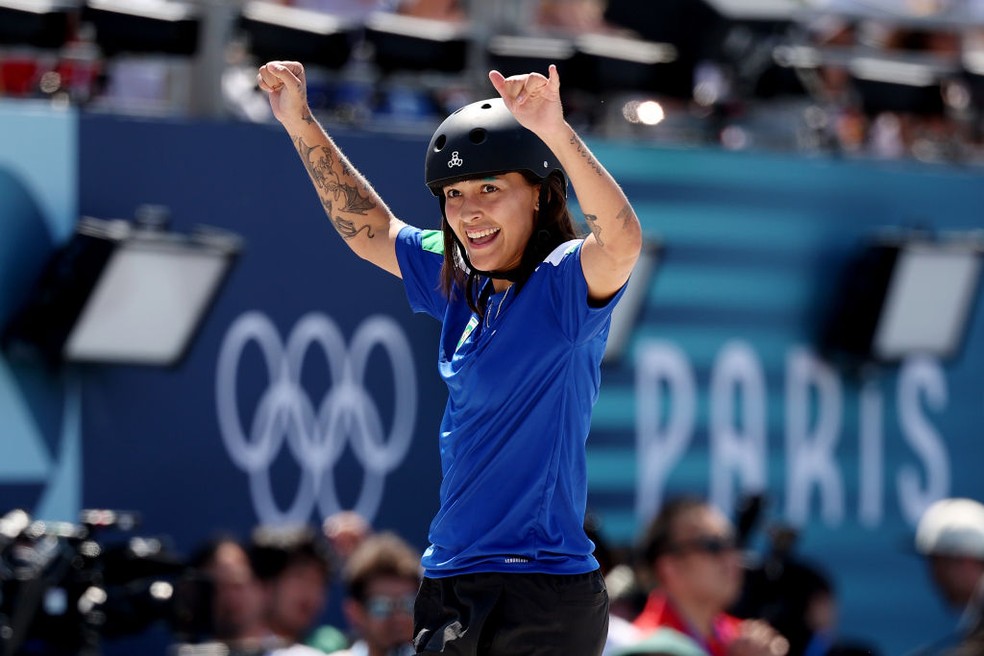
(477, 136)
(440, 142)
(487, 106)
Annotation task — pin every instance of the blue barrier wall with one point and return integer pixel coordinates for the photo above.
(40, 466)
(719, 390)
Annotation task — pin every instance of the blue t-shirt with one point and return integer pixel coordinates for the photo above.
(521, 386)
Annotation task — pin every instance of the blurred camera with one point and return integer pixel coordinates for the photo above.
(65, 587)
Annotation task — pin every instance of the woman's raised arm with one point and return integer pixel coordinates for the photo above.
(359, 215)
(611, 250)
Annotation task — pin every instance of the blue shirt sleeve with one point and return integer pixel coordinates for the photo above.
(420, 254)
(579, 320)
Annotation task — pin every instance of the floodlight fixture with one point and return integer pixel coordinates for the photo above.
(124, 293)
(928, 300)
(905, 296)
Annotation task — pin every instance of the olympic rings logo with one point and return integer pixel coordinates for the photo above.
(316, 436)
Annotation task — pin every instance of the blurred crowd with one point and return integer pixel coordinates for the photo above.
(875, 78)
(691, 585)
(271, 590)
(694, 583)
(896, 89)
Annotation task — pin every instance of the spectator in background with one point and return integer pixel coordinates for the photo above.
(691, 552)
(381, 579)
(345, 531)
(798, 599)
(240, 603)
(663, 642)
(237, 599)
(359, 10)
(354, 10)
(294, 566)
(575, 17)
(950, 535)
(445, 10)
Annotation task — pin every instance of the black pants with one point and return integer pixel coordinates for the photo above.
(512, 615)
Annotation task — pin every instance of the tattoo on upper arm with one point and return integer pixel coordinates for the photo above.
(320, 162)
(595, 228)
(586, 154)
(625, 215)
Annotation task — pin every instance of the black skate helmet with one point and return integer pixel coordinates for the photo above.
(481, 139)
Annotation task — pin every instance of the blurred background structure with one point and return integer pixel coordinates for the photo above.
(877, 78)
(801, 344)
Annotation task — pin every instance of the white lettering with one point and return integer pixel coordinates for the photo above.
(870, 470)
(659, 443)
(737, 450)
(922, 377)
(738, 431)
(810, 455)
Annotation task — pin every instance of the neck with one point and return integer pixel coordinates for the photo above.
(499, 284)
(699, 616)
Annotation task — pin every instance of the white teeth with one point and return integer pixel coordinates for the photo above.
(482, 233)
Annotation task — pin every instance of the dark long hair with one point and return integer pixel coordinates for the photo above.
(554, 225)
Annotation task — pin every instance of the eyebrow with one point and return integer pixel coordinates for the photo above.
(488, 178)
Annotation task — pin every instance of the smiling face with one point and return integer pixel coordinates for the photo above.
(493, 218)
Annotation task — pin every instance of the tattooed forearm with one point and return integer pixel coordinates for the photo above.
(354, 202)
(348, 230)
(360, 217)
(320, 163)
(316, 166)
(344, 227)
(583, 151)
(594, 227)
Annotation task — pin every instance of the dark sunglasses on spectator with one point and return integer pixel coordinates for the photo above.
(382, 607)
(712, 545)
